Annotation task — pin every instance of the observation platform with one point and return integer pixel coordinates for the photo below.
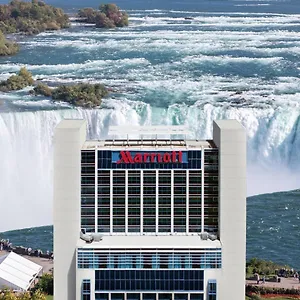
(193, 242)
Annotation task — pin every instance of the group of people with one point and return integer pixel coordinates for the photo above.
(280, 273)
(6, 245)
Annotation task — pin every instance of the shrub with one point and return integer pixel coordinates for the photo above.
(262, 290)
(260, 266)
(108, 16)
(44, 286)
(31, 17)
(9, 295)
(7, 47)
(17, 82)
(89, 14)
(42, 89)
(83, 95)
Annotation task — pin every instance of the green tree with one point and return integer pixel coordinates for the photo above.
(7, 47)
(108, 16)
(44, 286)
(17, 82)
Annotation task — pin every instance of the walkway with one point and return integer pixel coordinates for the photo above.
(287, 283)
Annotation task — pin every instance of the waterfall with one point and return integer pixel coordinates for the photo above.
(26, 149)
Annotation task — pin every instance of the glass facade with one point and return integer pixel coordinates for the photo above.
(212, 290)
(86, 289)
(171, 193)
(160, 201)
(149, 201)
(103, 197)
(149, 296)
(203, 259)
(88, 190)
(211, 192)
(149, 280)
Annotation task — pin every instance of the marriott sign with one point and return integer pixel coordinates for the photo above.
(127, 157)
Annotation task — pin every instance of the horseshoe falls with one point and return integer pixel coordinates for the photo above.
(172, 65)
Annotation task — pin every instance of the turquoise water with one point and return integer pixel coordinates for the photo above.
(273, 229)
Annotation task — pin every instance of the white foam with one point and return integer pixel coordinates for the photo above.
(269, 109)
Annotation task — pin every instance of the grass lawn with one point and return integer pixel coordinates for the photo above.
(49, 297)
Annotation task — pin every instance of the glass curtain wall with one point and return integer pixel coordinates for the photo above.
(88, 190)
(119, 201)
(211, 194)
(180, 201)
(149, 205)
(164, 201)
(195, 200)
(103, 201)
(134, 201)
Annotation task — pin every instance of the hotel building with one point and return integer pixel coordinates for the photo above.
(149, 219)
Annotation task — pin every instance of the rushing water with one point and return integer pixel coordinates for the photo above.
(177, 63)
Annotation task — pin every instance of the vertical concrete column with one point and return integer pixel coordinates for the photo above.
(230, 138)
(69, 137)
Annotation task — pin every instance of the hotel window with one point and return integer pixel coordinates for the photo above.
(149, 201)
(164, 201)
(212, 290)
(118, 191)
(86, 289)
(211, 193)
(155, 260)
(134, 201)
(195, 200)
(103, 201)
(102, 296)
(151, 280)
(133, 296)
(88, 190)
(179, 201)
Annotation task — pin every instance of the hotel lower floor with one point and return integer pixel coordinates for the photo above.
(148, 296)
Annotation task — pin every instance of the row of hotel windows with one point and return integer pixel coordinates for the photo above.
(158, 260)
(147, 296)
(149, 280)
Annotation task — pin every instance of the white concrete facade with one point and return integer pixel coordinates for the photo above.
(229, 137)
(68, 140)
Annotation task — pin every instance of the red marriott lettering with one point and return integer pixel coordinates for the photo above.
(167, 157)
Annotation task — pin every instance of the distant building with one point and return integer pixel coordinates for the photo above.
(159, 219)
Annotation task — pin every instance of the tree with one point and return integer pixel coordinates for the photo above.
(44, 285)
(17, 82)
(108, 16)
(7, 47)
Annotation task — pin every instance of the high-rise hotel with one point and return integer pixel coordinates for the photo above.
(149, 219)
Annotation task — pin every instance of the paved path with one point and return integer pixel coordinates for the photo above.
(44, 262)
(287, 283)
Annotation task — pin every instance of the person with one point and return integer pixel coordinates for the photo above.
(257, 278)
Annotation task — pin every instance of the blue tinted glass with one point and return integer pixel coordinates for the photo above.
(133, 280)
